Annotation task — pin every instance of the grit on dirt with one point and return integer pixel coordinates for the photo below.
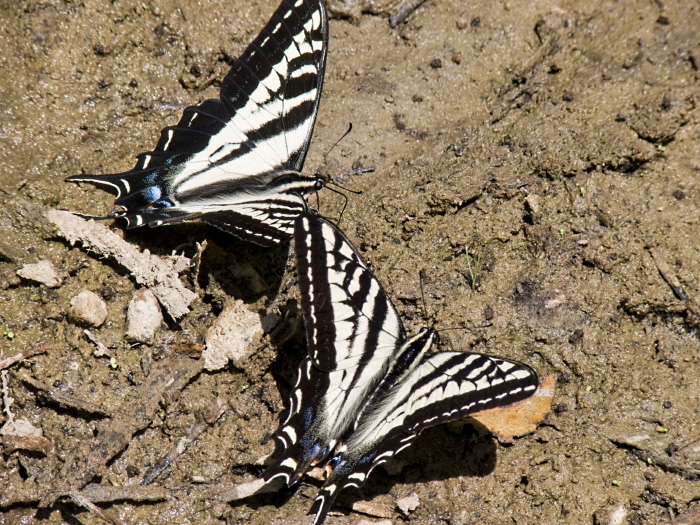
(557, 143)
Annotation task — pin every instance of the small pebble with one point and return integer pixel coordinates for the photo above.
(610, 515)
(457, 58)
(87, 308)
(42, 272)
(143, 317)
(436, 63)
(408, 504)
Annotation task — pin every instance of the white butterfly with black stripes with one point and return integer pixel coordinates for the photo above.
(366, 390)
(235, 162)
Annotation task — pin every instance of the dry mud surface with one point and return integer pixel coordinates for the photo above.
(557, 142)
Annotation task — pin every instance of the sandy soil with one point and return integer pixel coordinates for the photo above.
(557, 142)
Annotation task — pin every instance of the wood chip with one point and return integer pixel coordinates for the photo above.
(63, 399)
(234, 336)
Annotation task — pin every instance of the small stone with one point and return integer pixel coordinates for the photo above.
(87, 308)
(457, 58)
(233, 336)
(436, 63)
(379, 507)
(461, 23)
(143, 317)
(408, 504)
(610, 516)
(532, 202)
(42, 272)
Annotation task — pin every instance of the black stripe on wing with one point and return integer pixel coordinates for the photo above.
(296, 446)
(345, 307)
(333, 281)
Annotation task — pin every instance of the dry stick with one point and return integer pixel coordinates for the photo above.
(63, 399)
(165, 382)
(81, 500)
(26, 354)
(195, 431)
(160, 274)
(98, 493)
(669, 276)
(404, 11)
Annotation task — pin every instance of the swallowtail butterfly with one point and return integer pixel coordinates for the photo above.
(235, 162)
(366, 389)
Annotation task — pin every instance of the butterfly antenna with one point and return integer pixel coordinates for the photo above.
(325, 157)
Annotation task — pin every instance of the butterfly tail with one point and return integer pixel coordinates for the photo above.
(323, 503)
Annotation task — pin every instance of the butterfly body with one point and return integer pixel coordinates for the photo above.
(236, 162)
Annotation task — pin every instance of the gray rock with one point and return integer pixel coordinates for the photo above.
(87, 308)
(143, 317)
(42, 272)
(234, 336)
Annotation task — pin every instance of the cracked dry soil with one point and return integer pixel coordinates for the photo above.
(559, 143)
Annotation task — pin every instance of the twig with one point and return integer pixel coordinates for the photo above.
(100, 349)
(99, 493)
(26, 354)
(63, 399)
(160, 274)
(83, 501)
(7, 400)
(665, 463)
(195, 431)
(669, 276)
(404, 11)
(90, 457)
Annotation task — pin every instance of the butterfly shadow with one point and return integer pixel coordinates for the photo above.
(437, 454)
(241, 270)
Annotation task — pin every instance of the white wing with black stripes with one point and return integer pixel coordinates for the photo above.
(421, 390)
(366, 390)
(353, 333)
(235, 162)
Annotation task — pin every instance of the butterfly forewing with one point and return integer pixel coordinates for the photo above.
(241, 154)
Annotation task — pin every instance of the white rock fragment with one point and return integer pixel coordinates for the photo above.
(87, 308)
(379, 507)
(408, 504)
(613, 515)
(233, 336)
(160, 274)
(42, 272)
(20, 427)
(143, 317)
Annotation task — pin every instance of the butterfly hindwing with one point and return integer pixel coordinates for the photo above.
(445, 386)
(235, 162)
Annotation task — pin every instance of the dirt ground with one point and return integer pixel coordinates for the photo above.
(558, 143)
